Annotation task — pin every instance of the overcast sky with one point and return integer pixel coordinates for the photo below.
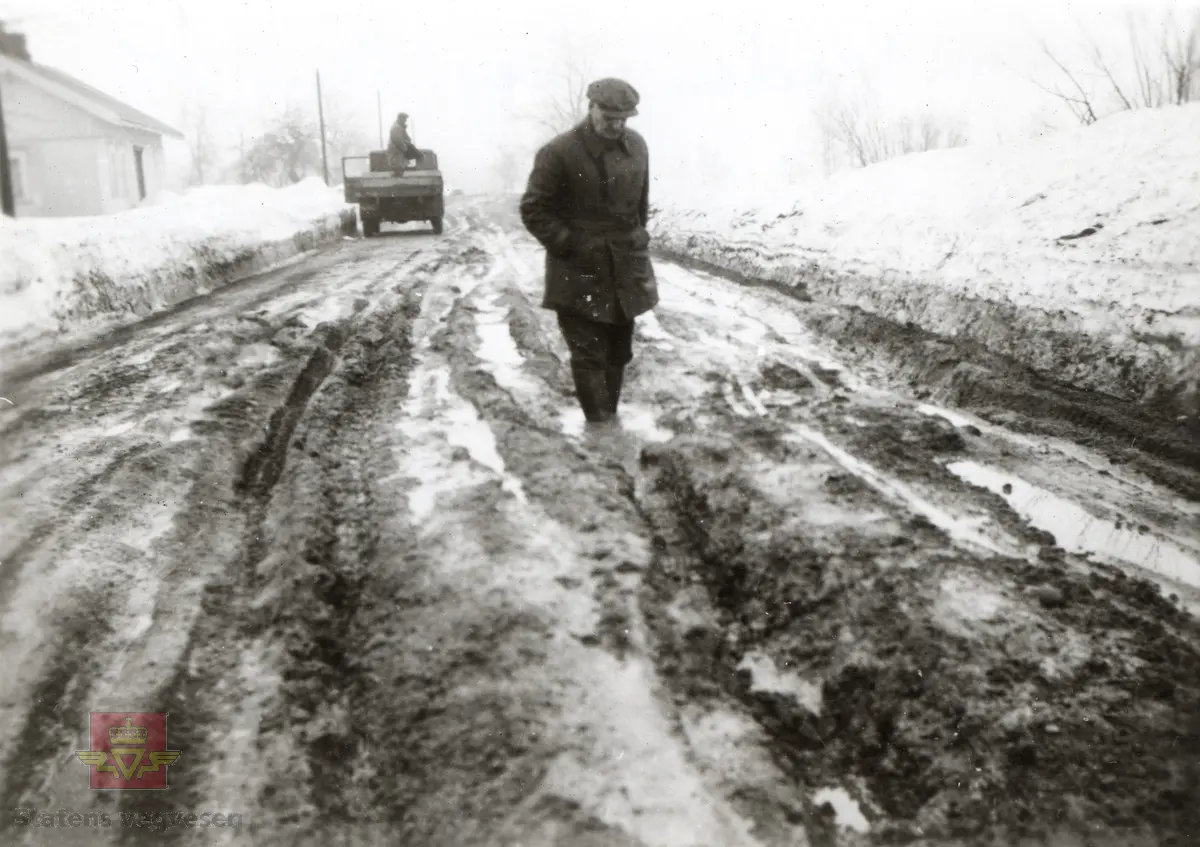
(727, 88)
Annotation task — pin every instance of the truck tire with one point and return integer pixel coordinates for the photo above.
(370, 227)
(437, 225)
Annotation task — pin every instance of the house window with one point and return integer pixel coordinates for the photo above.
(18, 170)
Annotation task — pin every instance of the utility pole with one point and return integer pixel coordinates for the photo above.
(379, 110)
(7, 206)
(321, 118)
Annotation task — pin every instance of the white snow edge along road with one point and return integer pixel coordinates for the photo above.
(59, 276)
(1077, 253)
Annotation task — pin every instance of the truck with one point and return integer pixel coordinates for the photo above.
(418, 194)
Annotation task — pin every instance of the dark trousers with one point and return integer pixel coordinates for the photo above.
(596, 346)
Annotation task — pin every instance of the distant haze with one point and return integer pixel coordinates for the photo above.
(728, 90)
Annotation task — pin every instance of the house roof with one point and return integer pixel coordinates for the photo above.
(78, 93)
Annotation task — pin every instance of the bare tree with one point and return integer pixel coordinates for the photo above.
(1076, 97)
(287, 152)
(1181, 54)
(343, 137)
(203, 152)
(290, 148)
(853, 133)
(1159, 65)
(508, 169)
(565, 104)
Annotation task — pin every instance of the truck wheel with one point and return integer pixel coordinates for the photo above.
(370, 227)
(437, 225)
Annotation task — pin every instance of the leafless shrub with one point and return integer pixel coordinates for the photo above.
(854, 134)
(1158, 64)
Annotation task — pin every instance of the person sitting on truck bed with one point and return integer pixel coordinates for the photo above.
(400, 146)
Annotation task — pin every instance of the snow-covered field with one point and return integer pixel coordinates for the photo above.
(61, 275)
(1078, 253)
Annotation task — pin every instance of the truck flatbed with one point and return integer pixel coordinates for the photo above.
(382, 195)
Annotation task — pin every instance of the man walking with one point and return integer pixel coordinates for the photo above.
(587, 203)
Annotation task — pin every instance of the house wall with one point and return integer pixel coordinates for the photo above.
(120, 188)
(73, 163)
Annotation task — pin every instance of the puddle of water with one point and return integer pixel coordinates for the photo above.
(752, 399)
(1077, 531)
(945, 414)
(766, 677)
(735, 404)
(633, 773)
(845, 808)
(649, 329)
(973, 601)
(258, 355)
(960, 529)
(328, 310)
(466, 429)
(143, 357)
(437, 419)
(119, 429)
(635, 418)
(498, 351)
(641, 420)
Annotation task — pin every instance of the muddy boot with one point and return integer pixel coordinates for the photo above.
(591, 387)
(614, 377)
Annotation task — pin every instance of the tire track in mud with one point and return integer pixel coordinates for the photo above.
(436, 738)
(276, 653)
(59, 626)
(60, 699)
(430, 615)
(957, 697)
(967, 376)
(468, 717)
(174, 660)
(196, 692)
(201, 553)
(972, 378)
(721, 610)
(589, 490)
(272, 656)
(244, 296)
(49, 531)
(756, 586)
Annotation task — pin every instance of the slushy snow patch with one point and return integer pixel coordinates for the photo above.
(1078, 253)
(62, 274)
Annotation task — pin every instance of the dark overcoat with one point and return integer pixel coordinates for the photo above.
(587, 203)
(400, 147)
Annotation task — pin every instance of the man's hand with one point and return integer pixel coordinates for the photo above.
(585, 242)
(640, 238)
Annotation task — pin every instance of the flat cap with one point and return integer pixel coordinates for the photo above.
(614, 95)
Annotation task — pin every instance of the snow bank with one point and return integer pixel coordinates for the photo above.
(1078, 254)
(60, 275)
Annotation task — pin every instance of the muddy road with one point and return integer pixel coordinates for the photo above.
(343, 523)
